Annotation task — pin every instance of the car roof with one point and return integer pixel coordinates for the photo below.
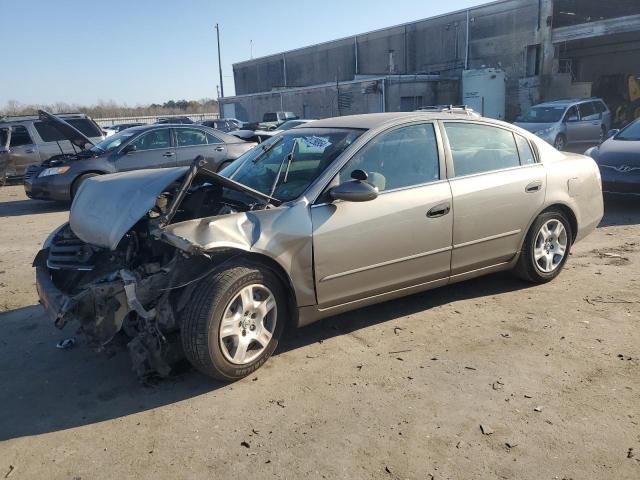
(223, 136)
(566, 102)
(368, 121)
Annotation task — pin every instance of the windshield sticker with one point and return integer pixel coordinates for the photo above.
(320, 143)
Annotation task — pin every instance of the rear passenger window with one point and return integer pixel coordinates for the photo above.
(48, 133)
(20, 136)
(403, 157)
(524, 149)
(188, 137)
(480, 148)
(213, 139)
(600, 107)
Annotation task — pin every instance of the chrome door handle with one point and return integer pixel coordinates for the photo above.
(533, 187)
(168, 154)
(439, 210)
(219, 149)
(31, 150)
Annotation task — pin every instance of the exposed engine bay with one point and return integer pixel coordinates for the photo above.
(141, 286)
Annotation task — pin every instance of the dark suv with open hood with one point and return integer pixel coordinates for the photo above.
(148, 146)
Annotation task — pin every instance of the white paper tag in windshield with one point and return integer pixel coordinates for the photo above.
(319, 143)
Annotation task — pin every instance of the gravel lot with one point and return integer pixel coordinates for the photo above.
(398, 390)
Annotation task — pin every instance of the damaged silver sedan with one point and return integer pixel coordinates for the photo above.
(321, 219)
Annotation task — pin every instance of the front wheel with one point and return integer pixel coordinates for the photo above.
(546, 248)
(234, 321)
(78, 181)
(560, 142)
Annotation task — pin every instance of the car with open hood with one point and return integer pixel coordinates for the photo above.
(135, 148)
(619, 160)
(37, 138)
(321, 219)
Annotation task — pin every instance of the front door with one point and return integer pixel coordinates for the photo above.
(22, 151)
(152, 149)
(400, 239)
(192, 142)
(497, 187)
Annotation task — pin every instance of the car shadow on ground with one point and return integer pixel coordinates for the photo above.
(30, 207)
(621, 210)
(45, 389)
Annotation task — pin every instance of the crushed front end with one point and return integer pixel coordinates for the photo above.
(122, 276)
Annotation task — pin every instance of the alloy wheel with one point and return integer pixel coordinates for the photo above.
(550, 246)
(559, 143)
(248, 324)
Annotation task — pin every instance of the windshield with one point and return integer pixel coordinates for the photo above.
(630, 132)
(284, 166)
(113, 142)
(542, 115)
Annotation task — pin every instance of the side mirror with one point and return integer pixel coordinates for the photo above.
(357, 190)
(129, 149)
(613, 132)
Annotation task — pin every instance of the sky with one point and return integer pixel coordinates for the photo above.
(138, 52)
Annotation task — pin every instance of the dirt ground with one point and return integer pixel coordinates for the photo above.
(399, 390)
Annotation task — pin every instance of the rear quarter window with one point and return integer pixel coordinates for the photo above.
(20, 136)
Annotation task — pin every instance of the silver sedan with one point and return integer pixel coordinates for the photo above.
(321, 219)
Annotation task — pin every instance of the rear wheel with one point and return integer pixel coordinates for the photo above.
(234, 321)
(224, 165)
(560, 142)
(546, 248)
(78, 181)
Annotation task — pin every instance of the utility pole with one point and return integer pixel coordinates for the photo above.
(219, 62)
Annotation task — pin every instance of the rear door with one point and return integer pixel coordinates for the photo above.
(590, 122)
(400, 239)
(497, 187)
(192, 142)
(153, 149)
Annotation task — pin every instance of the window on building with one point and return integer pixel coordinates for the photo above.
(532, 60)
(480, 148)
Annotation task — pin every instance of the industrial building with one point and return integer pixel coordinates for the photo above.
(523, 50)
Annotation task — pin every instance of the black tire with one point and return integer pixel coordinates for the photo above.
(202, 319)
(527, 268)
(78, 181)
(560, 143)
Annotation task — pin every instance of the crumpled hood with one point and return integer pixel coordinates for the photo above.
(106, 207)
(618, 152)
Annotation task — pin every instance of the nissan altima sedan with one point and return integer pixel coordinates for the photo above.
(324, 218)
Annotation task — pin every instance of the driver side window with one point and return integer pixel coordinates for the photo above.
(153, 140)
(403, 157)
(571, 115)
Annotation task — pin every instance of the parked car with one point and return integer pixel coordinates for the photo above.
(5, 140)
(619, 160)
(148, 146)
(262, 135)
(321, 219)
(272, 120)
(111, 129)
(222, 125)
(175, 120)
(565, 123)
(34, 138)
